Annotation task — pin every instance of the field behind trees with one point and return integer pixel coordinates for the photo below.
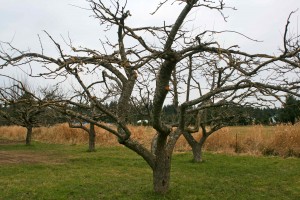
(279, 140)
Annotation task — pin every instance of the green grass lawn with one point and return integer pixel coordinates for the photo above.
(69, 172)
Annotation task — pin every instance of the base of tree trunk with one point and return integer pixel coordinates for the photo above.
(91, 150)
(197, 159)
(161, 175)
(161, 182)
(197, 154)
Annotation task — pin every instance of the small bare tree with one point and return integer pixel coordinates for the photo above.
(90, 130)
(22, 108)
(79, 123)
(158, 55)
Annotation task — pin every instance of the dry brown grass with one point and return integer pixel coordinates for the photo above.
(282, 140)
(16, 133)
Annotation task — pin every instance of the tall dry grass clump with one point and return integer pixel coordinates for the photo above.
(246, 139)
(285, 141)
(16, 133)
(63, 134)
(59, 134)
(281, 140)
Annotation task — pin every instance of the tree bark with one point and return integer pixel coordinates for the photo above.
(162, 167)
(196, 146)
(92, 136)
(197, 150)
(161, 173)
(28, 135)
(197, 153)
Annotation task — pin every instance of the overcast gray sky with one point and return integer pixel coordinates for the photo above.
(259, 19)
(23, 20)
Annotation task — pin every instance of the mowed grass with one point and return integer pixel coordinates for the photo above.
(69, 172)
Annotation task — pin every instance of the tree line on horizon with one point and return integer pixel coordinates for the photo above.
(24, 110)
(288, 113)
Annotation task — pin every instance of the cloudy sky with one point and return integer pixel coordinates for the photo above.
(22, 20)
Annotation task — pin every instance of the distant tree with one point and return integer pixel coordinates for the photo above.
(75, 122)
(170, 113)
(262, 115)
(90, 130)
(22, 108)
(210, 118)
(290, 110)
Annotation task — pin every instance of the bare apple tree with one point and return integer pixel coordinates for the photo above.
(20, 106)
(75, 122)
(158, 56)
(224, 79)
